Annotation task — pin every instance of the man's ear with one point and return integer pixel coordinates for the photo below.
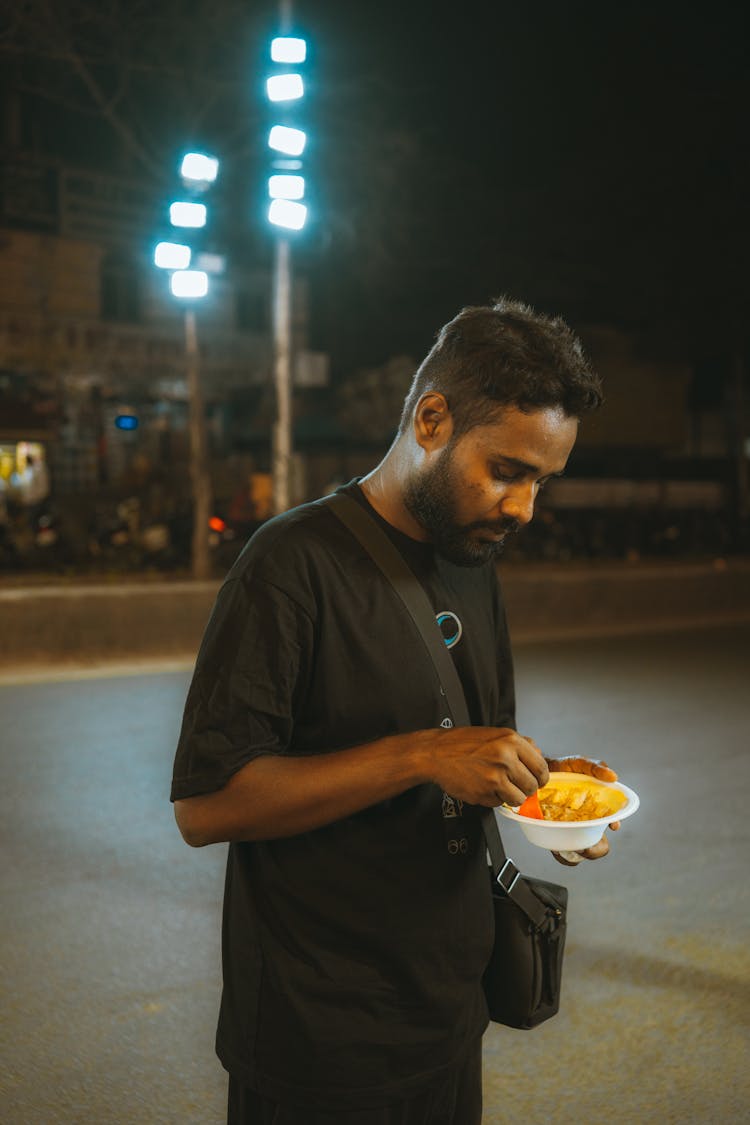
(433, 422)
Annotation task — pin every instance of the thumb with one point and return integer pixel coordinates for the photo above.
(594, 767)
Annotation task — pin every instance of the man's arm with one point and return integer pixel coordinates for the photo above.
(275, 796)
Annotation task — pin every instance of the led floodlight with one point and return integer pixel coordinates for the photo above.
(289, 141)
(284, 87)
(184, 214)
(172, 256)
(286, 187)
(189, 283)
(286, 213)
(286, 49)
(197, 166)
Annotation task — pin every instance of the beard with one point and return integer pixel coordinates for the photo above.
(431, 499)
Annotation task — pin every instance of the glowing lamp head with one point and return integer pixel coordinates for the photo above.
(172, 256)
(291, 142)
(284, 87)
(189, 283)
(287, 49)
(287, 214)
(184, 214)
(286, 187)
(199, 167)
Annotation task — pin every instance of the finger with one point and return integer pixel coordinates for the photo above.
(568, 859)
(594, 767)
(514, 782)
(532, 757)
(567, 765)
(520, 762)
(521, 776)
(509, 795)
(598, 851)
(615, 826)
(571, 859)
(603, 771)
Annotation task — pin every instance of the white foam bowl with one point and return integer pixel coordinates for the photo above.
(572, 835)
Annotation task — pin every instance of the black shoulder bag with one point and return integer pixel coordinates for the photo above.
(522, 980)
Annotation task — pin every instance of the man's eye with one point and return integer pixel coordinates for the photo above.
(500, 474)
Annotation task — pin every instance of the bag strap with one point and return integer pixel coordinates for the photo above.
(395, 568)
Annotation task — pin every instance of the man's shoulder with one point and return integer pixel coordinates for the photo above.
(294, 543)
(298, 529)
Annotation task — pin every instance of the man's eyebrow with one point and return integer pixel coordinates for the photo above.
(517, 463)
(525, 466)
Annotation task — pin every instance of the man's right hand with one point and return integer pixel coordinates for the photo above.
(486, 765)
(281, 795)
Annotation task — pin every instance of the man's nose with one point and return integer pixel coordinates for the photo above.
(518, 502)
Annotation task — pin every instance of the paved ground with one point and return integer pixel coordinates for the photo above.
(109, 939)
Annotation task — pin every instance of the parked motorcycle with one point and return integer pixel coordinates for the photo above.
(118, 538)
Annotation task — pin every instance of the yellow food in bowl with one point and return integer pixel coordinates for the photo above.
(579, 800)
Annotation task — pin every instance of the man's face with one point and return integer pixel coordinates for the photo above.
(472, 492)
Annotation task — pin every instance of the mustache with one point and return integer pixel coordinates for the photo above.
(506, 526)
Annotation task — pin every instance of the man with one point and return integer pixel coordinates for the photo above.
(316, 741)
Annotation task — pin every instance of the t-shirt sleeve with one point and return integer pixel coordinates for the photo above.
(252, 668)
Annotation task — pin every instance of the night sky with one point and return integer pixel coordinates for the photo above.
(591, 158)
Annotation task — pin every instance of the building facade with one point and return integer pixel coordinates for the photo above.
(89, 332)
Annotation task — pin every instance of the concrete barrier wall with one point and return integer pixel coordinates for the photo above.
(625, 598)
(89, 623)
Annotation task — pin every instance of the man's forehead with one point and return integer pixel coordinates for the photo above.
(512, 424)
(528, 439)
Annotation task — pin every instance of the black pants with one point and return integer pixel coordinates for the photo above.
(455, 1099)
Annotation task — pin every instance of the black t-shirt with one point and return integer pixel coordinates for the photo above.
(352, 954)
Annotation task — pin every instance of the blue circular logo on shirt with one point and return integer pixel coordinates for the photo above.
(450, 627)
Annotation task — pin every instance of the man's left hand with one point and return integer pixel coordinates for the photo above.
(601, 771)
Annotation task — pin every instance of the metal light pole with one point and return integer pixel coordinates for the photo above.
(198, 172)
(200, 477)
(285, 213)
(281, 456)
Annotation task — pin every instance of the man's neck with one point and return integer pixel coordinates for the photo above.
(384, 491)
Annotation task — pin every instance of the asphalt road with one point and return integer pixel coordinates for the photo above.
(109, 943)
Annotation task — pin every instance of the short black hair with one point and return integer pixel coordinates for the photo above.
(505, 354)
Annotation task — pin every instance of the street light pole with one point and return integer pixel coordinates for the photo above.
(200, 478)
(198, 172)
(282, 375)
(285, 87)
